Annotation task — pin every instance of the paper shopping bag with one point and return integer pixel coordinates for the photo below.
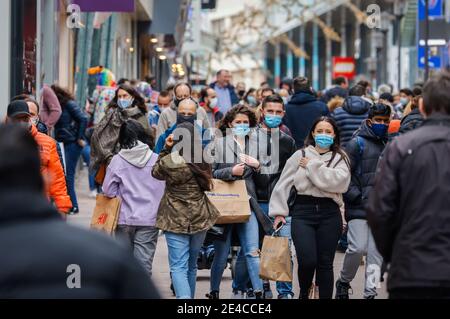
(275, 263)
(106, 214)
(231, 200)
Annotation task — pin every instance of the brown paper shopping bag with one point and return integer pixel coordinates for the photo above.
(106, 214)
(275, 263)
(231, 200)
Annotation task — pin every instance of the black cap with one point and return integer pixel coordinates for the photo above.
(16, 108)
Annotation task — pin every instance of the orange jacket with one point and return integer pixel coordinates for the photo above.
(52, 171)
(394, 126)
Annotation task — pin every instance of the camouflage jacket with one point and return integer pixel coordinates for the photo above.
(104, 140)
(184, 208)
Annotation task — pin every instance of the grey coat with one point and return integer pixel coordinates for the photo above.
(226, 156)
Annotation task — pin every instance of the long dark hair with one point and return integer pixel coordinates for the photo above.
(62, 94)
(231, 115)
(335, 147)
(202, 171)
(137, 98)
(131, 132)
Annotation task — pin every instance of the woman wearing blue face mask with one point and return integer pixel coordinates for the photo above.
(232, 162)
(250, 98)
(126, 104)
(318, 175)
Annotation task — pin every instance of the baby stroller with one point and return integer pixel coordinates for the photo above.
(206, 254)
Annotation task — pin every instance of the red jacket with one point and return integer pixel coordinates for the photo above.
(52, 171)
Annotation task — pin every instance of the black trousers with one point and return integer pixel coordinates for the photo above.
(316, 228)
(420, 293)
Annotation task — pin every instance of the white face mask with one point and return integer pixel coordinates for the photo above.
(213, 102)
(34, 121)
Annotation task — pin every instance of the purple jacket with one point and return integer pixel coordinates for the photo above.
(129, 177)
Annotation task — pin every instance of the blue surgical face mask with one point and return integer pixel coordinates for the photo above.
(272, 121)
(252, 100)
(124, 103)
(241, 129)
(379, 130)
(324, 140)
(404, 101)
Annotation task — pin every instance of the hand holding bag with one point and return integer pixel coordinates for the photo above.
(275, 263)
(231, 200)
(106, 214)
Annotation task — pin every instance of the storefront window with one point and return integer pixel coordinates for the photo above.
(23, 51)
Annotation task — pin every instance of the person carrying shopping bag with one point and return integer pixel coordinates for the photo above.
(129, 178)
(231, 163)
(185, 213)
(317, 175)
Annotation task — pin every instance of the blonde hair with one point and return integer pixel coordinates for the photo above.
(335, 102)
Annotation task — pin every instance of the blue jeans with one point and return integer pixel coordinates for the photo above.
(283, 288)
(72, 152)
(86, 154)
(249, 240)
(183, 253)
(241, 278)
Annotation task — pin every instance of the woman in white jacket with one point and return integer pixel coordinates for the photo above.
(317, 175)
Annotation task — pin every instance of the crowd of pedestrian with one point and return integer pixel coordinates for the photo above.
(348, 168)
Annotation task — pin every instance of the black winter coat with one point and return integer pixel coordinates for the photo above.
(301, 112)
(37, 248)
(363, 163)
(71, 125)
(275, 152)
(411, 121)
(350, 116)
(409, 208)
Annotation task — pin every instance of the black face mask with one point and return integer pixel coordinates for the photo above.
(183, 118)
(176, 101)
(241, 93)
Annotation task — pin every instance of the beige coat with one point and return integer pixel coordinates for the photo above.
(316, 180)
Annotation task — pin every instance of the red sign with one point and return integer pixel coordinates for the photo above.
(344, 66)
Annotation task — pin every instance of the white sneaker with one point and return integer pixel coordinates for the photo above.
(93, 194)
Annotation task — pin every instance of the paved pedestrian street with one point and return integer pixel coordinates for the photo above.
(161, 274)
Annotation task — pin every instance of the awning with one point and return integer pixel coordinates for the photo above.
(166, 20)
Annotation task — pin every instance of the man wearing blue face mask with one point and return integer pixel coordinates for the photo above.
(364, 150)
(276, 148)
